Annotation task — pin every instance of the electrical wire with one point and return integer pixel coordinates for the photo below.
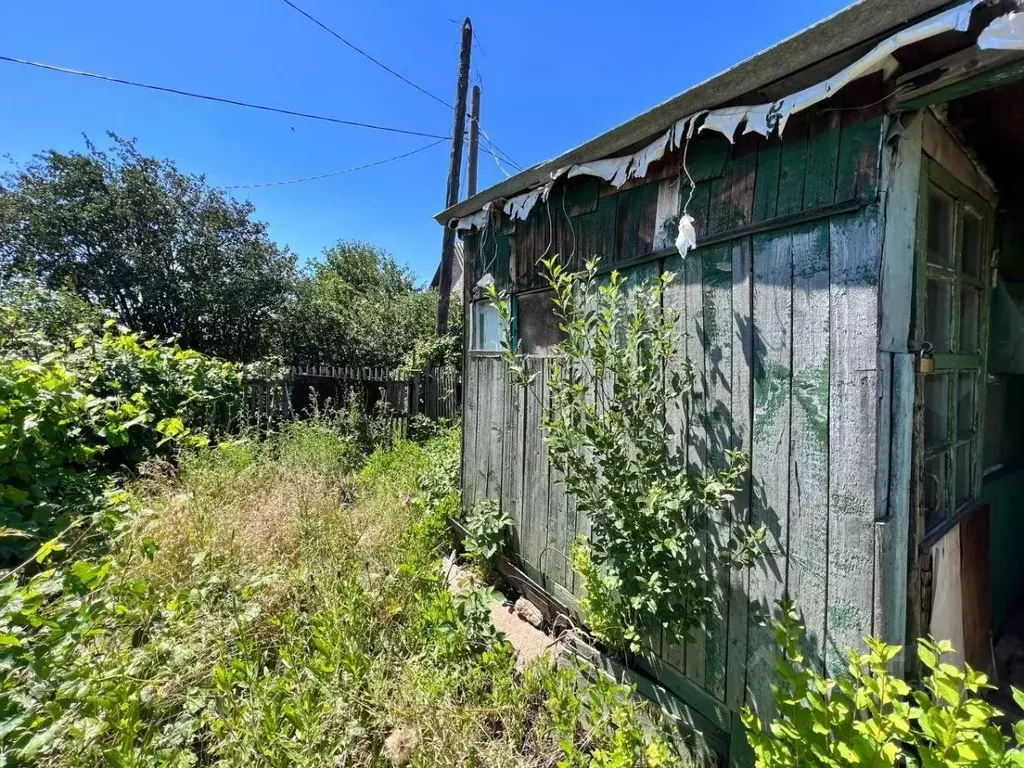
(336, 173)
(497, 151)
(219, 99)
(365, 55)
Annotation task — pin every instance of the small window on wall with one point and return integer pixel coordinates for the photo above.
(539, 333)
(486, 327)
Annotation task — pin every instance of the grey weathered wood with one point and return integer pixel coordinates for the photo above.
(901, 181)
(666, 217)
(809, 452)
(853, 405)
(674, 300)
(512, 471)
(535, 468)
(893, 531)
(718, 361)
(496, 372)
(772, 308)
(697, 439)
(470, 455)
(742, 409)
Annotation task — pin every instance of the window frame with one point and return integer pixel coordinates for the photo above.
(956, 361)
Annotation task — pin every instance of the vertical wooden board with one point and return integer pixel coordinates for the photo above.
(469, 449)
(496, 422)
(822, 158)
(674, 300)
(742, 411)
(766, 185)
(809, 454)
(857, 172)
(554, 560)
(585, 227)
(792, 167)
(666, 215)
(853, 421)
(607, 222)
(696, 420)
(719, 210)
(743, 184)
(769, 463)
(718, 357)
(699, 206)
(512, 463)
(535, 468)
(484, 421)
(648, 218)
(630, 214)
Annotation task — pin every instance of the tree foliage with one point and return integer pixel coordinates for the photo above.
(358, 306)
(169, 254)
(658, 542)
(870, 717)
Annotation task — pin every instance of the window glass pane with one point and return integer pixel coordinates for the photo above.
(936, 409)
(973, 229)
(970, 320)
(963, 473)
(940, 228)
(965, 415)
(937, 314)
(486, 331)
(935, 490)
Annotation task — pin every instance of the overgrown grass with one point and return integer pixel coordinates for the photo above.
(280, 603)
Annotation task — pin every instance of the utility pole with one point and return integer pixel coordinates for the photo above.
(454, 166)
(474, 142)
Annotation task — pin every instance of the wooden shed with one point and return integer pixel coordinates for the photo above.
(853, 309)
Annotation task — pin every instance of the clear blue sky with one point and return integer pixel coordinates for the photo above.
(554, 73)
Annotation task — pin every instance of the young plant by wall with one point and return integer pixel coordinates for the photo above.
(657, 542)
(487, 528)
(870, 718)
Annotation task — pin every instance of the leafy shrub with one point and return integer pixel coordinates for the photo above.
(870, 717)
(656, 548)
(487, 528)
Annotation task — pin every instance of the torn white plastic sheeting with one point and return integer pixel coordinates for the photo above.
(726, 120)
(687, 238)
(519, 207)
(1005, 33)
(485, 282)
(611, 169)
(476, 220)
(955, 19)
(642, 160)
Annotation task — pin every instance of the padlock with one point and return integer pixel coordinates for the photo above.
(925, 360)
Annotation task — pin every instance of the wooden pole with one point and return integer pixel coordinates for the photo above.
(454, 166)
(474, 142)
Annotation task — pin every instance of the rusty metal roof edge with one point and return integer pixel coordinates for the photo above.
(867, 19)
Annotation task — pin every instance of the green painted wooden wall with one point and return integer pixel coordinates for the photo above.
(780, 311)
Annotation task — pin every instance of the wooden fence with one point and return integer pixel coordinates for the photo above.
(435, 393)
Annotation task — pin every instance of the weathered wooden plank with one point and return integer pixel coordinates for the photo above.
(940, 145)
(554, 560)
(857, 171)
(696, 419)
(470, 455)
(666, 215)
(822, 158)
(792, 167)
(674, 300)
(853, 420)
(512, 471)
(607, 222)
(893, 532)
(627, 229)
(648, 218)
(742, 410)
(719, 210)
(772, 350)
(496, 423)
(743, 184)
(766, 185)
(718, 354)
(808, 495)
(901, 187)
(535, 468)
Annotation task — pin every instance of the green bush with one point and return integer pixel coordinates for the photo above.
(871, 718)
(487, 528)
(80, 398)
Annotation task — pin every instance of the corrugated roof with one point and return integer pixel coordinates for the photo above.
(853, 26)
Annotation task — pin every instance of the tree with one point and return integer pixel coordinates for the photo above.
(357, 306)
(170, 255)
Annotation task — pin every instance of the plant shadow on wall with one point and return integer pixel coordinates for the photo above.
(661, 529)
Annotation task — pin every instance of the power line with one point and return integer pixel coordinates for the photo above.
(337, 173)
(404, 79)
(364, 54)
(220, 99)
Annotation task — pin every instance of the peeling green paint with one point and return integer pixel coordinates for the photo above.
(810, 391)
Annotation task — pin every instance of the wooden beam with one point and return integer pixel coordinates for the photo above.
(942, 147)
(957, 82)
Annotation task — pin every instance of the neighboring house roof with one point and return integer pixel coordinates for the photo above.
(457, 272)
(846, 32)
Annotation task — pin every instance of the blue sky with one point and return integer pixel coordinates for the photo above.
(553, 74)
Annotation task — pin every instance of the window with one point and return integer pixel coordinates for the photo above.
(952, 307)
(486, 327)
(539, 331)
